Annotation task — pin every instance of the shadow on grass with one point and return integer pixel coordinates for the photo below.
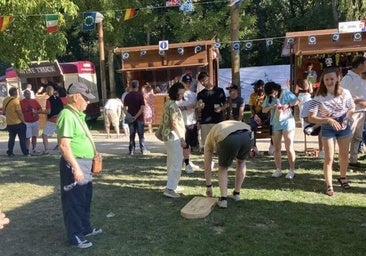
(270, 220)
(146, 223)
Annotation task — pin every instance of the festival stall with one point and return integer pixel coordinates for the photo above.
(163, 64)
(323, 48)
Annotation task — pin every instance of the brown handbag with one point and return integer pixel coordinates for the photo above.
(97, 166)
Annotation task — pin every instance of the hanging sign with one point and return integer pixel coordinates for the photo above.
(163, 45)
(351, 26)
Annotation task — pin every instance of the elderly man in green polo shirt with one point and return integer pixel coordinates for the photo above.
(77, 152)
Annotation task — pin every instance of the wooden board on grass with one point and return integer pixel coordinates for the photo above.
(198, 207)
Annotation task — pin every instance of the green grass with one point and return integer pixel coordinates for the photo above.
(275, 217)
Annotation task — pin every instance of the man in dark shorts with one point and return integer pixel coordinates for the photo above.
(229, 139)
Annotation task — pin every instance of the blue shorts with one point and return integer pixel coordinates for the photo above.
(328, 132)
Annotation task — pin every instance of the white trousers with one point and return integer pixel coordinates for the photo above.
(357, 130)
(174, 162)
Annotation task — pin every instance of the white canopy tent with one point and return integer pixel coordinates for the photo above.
(276, 73)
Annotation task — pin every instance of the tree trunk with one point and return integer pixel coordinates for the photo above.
(112, 83)
(235, 54)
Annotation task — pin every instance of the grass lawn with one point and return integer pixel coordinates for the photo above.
(275, 217)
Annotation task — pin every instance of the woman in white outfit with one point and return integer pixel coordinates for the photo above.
(173, 133)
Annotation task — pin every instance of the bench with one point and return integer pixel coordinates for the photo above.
(262, 132)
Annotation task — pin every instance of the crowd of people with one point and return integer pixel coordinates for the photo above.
(199, 115)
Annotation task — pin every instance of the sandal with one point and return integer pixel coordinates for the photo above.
(330, 191)
(344, 183)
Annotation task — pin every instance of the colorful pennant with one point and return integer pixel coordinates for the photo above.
(5, 21)
(131, 13)
(89, 20)
(51, 23)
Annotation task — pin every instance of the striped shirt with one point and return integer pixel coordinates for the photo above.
(330, 106)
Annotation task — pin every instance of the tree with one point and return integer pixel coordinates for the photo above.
(26, 40)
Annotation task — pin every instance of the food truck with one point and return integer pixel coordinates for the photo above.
(61, 74)
(163, 64)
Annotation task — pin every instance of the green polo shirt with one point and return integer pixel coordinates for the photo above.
(74, 127)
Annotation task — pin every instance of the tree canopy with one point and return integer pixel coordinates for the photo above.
(26, 40)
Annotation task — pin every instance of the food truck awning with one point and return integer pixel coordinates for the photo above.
(324, 43)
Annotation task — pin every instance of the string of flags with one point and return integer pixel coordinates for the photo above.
(91, 18)
(52, 19)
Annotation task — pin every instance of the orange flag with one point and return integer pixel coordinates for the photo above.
(131, 13)
(5, 22)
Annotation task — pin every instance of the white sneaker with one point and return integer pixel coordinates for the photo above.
(321, 154)
(189, 169)
(236, 197)
(277, 174)
(194, 167)
(171, 193)
(290, 175)
(84, 244)
(222, 203)
(271, 150)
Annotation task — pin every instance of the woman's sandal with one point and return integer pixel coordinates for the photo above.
(330, 191)
(344, 183)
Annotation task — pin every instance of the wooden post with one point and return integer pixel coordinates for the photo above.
(102, 61)
(235, 55)
(112, 82)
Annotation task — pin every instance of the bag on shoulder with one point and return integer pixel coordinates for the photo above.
(97, 166)
(159, 133)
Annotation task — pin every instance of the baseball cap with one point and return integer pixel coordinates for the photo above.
(80, 88)
(233, 87)
(258, 82)
(187, 79)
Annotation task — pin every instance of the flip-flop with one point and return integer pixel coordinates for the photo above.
(344, 184)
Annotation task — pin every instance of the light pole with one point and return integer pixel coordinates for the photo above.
(99, 20)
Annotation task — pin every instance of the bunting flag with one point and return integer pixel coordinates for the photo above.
(5, 22)
(51, 23)
(131, 13)
(172, 3)
(187, 6)
(89, 20)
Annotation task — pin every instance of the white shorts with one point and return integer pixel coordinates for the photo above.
(32, 129)
(49, 129)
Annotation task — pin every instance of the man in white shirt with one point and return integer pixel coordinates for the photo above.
(188, 107)
(352, 81)
(112, 115)
(28, 88)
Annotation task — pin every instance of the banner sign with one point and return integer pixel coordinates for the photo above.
(352, 26)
